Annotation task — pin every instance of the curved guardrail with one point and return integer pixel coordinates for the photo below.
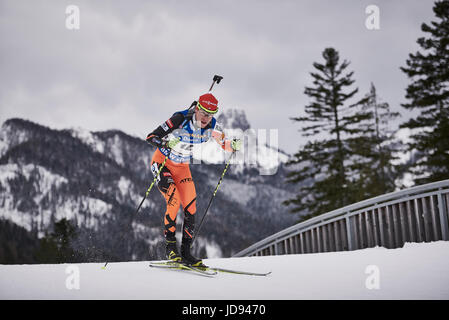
(417, 214)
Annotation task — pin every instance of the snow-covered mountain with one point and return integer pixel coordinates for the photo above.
(260, 148)
(97, 179)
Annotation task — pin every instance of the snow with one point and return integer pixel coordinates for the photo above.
(98, 209)
(151, 235)
(124, 186)
(116, 151)
(213, 250)
(88, 138)
(45, 181)
(10, 137)
(416, 271)
(3, 146)
(236, 191)
(46, 178)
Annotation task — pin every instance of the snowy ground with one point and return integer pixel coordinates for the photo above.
(416, 271)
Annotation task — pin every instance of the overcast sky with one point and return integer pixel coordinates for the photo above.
(133, 63)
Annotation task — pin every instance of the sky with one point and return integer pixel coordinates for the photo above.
(132, 64)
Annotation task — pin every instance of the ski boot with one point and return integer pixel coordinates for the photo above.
(186, 255)
(171, 251)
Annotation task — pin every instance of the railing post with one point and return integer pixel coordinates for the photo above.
(433, 212)
(389, 220)
(419, 230)
(411, 227)
(374, 220)
(443, 216)
(396, 227)
(318, 239)
(403, 219)
(308, 241)
(325, 238)
(349, 233)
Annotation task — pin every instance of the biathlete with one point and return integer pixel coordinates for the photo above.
(175, 139)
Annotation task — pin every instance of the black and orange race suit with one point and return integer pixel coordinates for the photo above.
(175, 180)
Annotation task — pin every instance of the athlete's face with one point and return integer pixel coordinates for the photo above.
(202, 117)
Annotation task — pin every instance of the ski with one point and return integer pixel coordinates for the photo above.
(263, 274)
(207, 270)
(183, 266)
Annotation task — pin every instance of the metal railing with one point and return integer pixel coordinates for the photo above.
(418, 214)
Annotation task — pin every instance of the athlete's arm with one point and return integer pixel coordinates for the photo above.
(155, 138)
(220, 138)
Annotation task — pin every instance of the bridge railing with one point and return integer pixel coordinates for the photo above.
(418, 214)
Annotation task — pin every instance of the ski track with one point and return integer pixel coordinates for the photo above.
(416, 271)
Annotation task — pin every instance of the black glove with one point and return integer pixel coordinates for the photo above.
(155, 141)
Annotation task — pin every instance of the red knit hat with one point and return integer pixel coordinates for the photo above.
(208, 103)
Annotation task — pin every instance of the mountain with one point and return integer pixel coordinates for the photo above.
(234, 118)
(95, 180)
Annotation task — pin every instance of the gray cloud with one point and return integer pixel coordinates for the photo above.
(132, 64)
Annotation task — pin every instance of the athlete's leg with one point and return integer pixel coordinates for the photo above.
(187, 194)
(170, 193)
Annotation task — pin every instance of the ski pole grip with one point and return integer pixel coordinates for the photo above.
(216, 79)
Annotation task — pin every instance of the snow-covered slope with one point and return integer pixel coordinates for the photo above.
(416, 271)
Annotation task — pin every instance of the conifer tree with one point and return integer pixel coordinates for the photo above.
(375, 149)
(57, 246)
(323, 168)
(429, 94)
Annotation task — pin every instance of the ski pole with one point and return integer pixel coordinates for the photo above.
(152, 184)
(213, 196)
(147, 193)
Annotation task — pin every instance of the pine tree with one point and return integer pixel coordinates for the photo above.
(57, 246)
(429, 93)
(324, 171)
(376, 149)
